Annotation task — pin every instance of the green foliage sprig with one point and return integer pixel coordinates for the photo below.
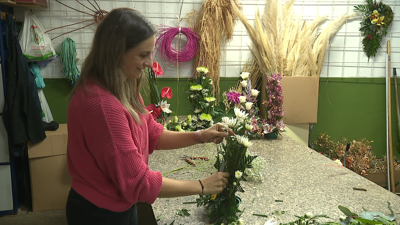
(375, 23)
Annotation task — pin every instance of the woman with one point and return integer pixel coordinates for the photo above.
(110, 133)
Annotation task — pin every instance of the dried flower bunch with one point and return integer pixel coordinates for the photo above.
(375, 23)
(360, 157)
(214, 26)
(285, 44)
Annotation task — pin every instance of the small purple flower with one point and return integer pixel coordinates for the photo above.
(233, 97)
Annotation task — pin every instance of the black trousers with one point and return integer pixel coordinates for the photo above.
(82, 212)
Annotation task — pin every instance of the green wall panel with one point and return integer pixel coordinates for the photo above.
(355, 108)
(347, 107)
(57, 93)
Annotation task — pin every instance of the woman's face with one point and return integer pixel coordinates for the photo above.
(138, 58)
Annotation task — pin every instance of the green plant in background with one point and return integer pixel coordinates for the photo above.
(375, 23)
(233, 158)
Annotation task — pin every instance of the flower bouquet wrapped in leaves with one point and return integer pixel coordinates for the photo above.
(201, 99)
(158, 107)
(233, 158)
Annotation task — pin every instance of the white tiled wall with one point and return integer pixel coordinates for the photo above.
(344, 58)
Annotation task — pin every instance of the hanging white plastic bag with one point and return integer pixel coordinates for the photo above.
(47, 116)
(35, 43)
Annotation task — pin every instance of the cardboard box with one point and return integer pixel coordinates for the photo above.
(381, 179)
(300, 99)
(50, 180)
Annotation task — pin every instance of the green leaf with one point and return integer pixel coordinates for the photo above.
(367, 221)
(366, 215)
(346, 211)
(183, 212)
(159, 217)
(255, 214)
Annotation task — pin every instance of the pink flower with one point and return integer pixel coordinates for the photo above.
(233, 97)
(166, 92)
(157, 69)
(153, 110)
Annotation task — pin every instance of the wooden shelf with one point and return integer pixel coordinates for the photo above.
(8, 2)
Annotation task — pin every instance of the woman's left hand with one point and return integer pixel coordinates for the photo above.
(215, 133)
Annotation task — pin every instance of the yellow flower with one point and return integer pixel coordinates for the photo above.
(206, 117)
(209, 99)
(196, 87)
(213, 197)
(380, 21)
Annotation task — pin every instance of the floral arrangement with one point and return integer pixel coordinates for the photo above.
(201, 99)
(158, 108)
(374, 25)
(247, 101)
(274, 105)
(233, 158)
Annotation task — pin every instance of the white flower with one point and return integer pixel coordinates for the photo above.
(248, 105)
(230, 122)
(245, 75)
(242, 99)
(254, 92)
(191, 96)
(271, 222)
(211, 82)
(338, 162)
(249, 126)
(197, 111)
(165, 107)
(239, 113)
(244, 83)
(238, 174)
(342, 218)
(234, 184)
(309, 215)
(243, 140)
(202, 70)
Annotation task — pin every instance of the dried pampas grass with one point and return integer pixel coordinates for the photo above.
(282, 42)
(214, 26)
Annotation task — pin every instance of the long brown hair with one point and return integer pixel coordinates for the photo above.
(121, 30)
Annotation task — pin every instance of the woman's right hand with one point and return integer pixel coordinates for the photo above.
(215, 183)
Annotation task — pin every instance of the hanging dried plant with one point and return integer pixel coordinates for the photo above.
(214, 26)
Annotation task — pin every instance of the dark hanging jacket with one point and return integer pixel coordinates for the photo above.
(22, 114)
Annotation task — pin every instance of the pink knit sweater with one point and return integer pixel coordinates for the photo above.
(108, 151)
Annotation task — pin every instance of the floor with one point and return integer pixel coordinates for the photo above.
(35, 218)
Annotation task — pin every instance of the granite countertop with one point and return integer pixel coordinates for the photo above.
(303, 179)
